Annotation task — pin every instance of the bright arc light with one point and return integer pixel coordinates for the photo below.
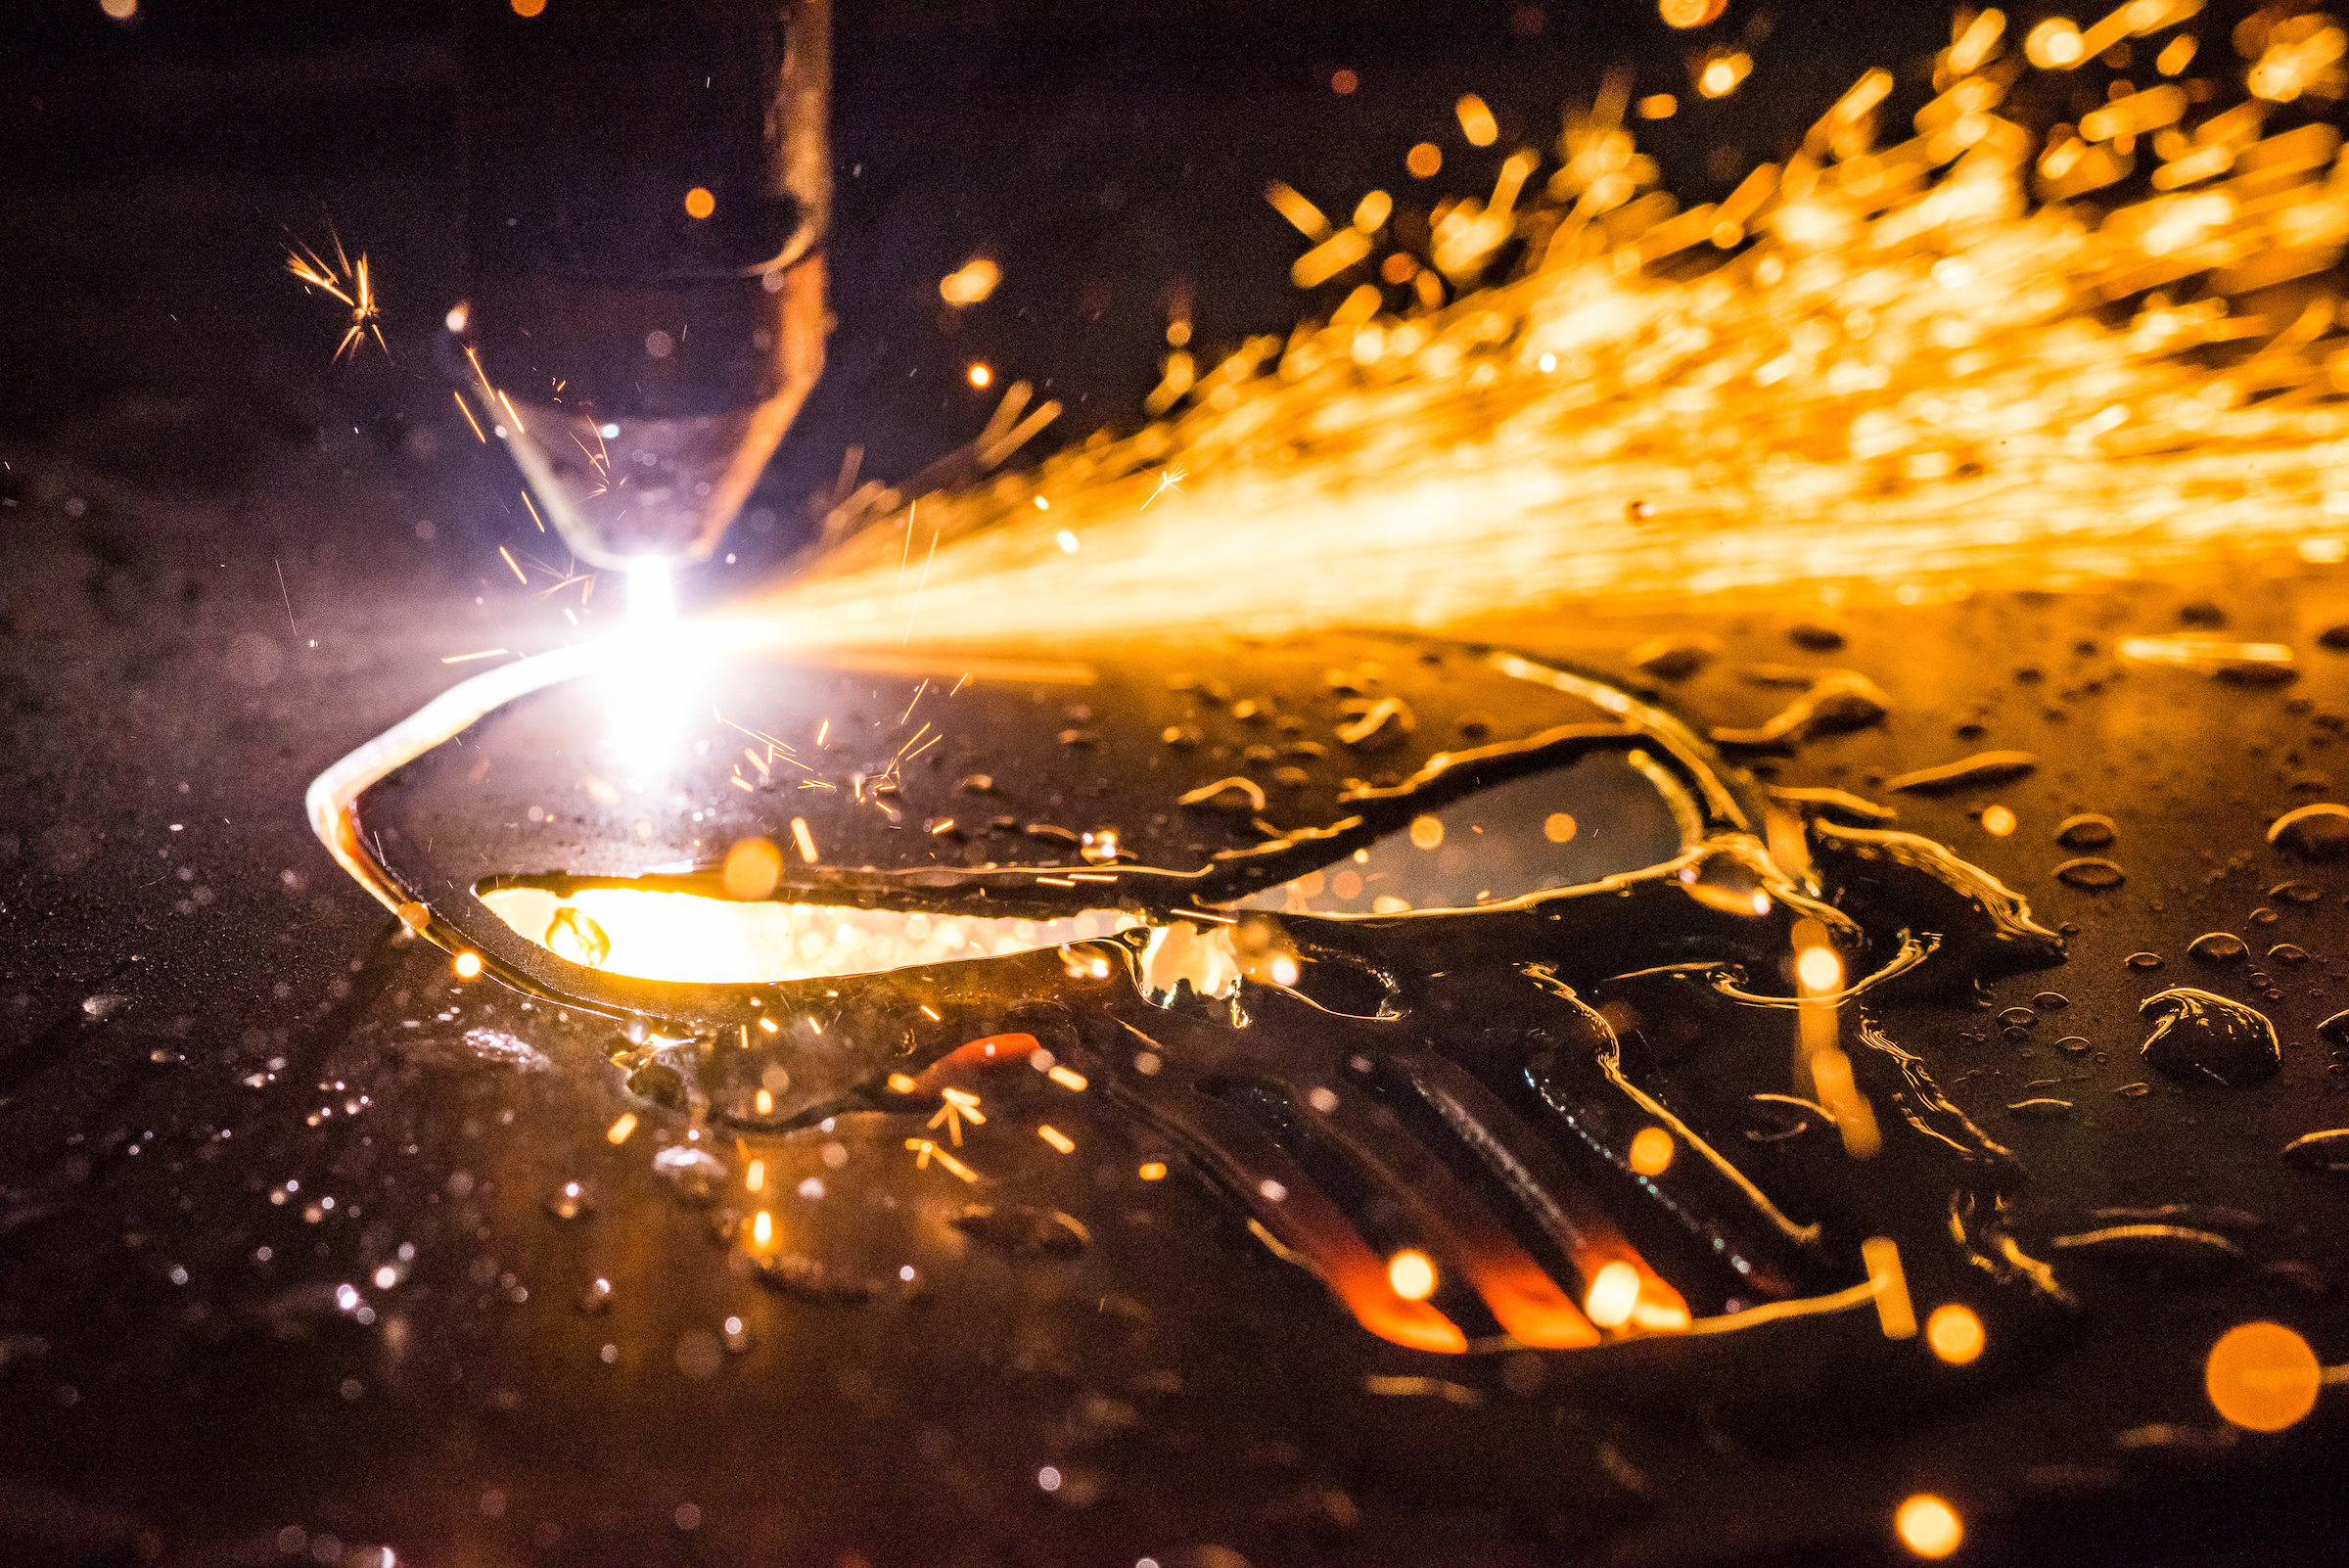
(651, 688)
(652, 593)
(1413, 1275)
(1928, 1525)
(1613, 1295)
(1820, 971)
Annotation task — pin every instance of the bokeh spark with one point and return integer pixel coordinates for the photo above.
(1983, 355)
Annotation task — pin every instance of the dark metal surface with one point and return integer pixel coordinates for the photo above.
(1226, 1405)
(170, 930)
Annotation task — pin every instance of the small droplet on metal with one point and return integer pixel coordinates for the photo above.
(2217, 947)
(2318, 832)
(2087, 831)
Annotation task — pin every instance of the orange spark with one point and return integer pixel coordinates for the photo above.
(467, 413)
(347, 281)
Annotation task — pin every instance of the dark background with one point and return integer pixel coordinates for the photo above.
(1107, 156)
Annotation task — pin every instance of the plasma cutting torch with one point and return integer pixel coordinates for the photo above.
(647, 195)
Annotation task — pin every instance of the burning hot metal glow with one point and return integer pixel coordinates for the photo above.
(1899, 371)
(678, 937)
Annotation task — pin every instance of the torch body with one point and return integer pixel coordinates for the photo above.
(647, 195)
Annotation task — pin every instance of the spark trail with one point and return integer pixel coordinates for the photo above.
(1983, 355)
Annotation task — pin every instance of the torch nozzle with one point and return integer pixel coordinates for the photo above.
(620, 490)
